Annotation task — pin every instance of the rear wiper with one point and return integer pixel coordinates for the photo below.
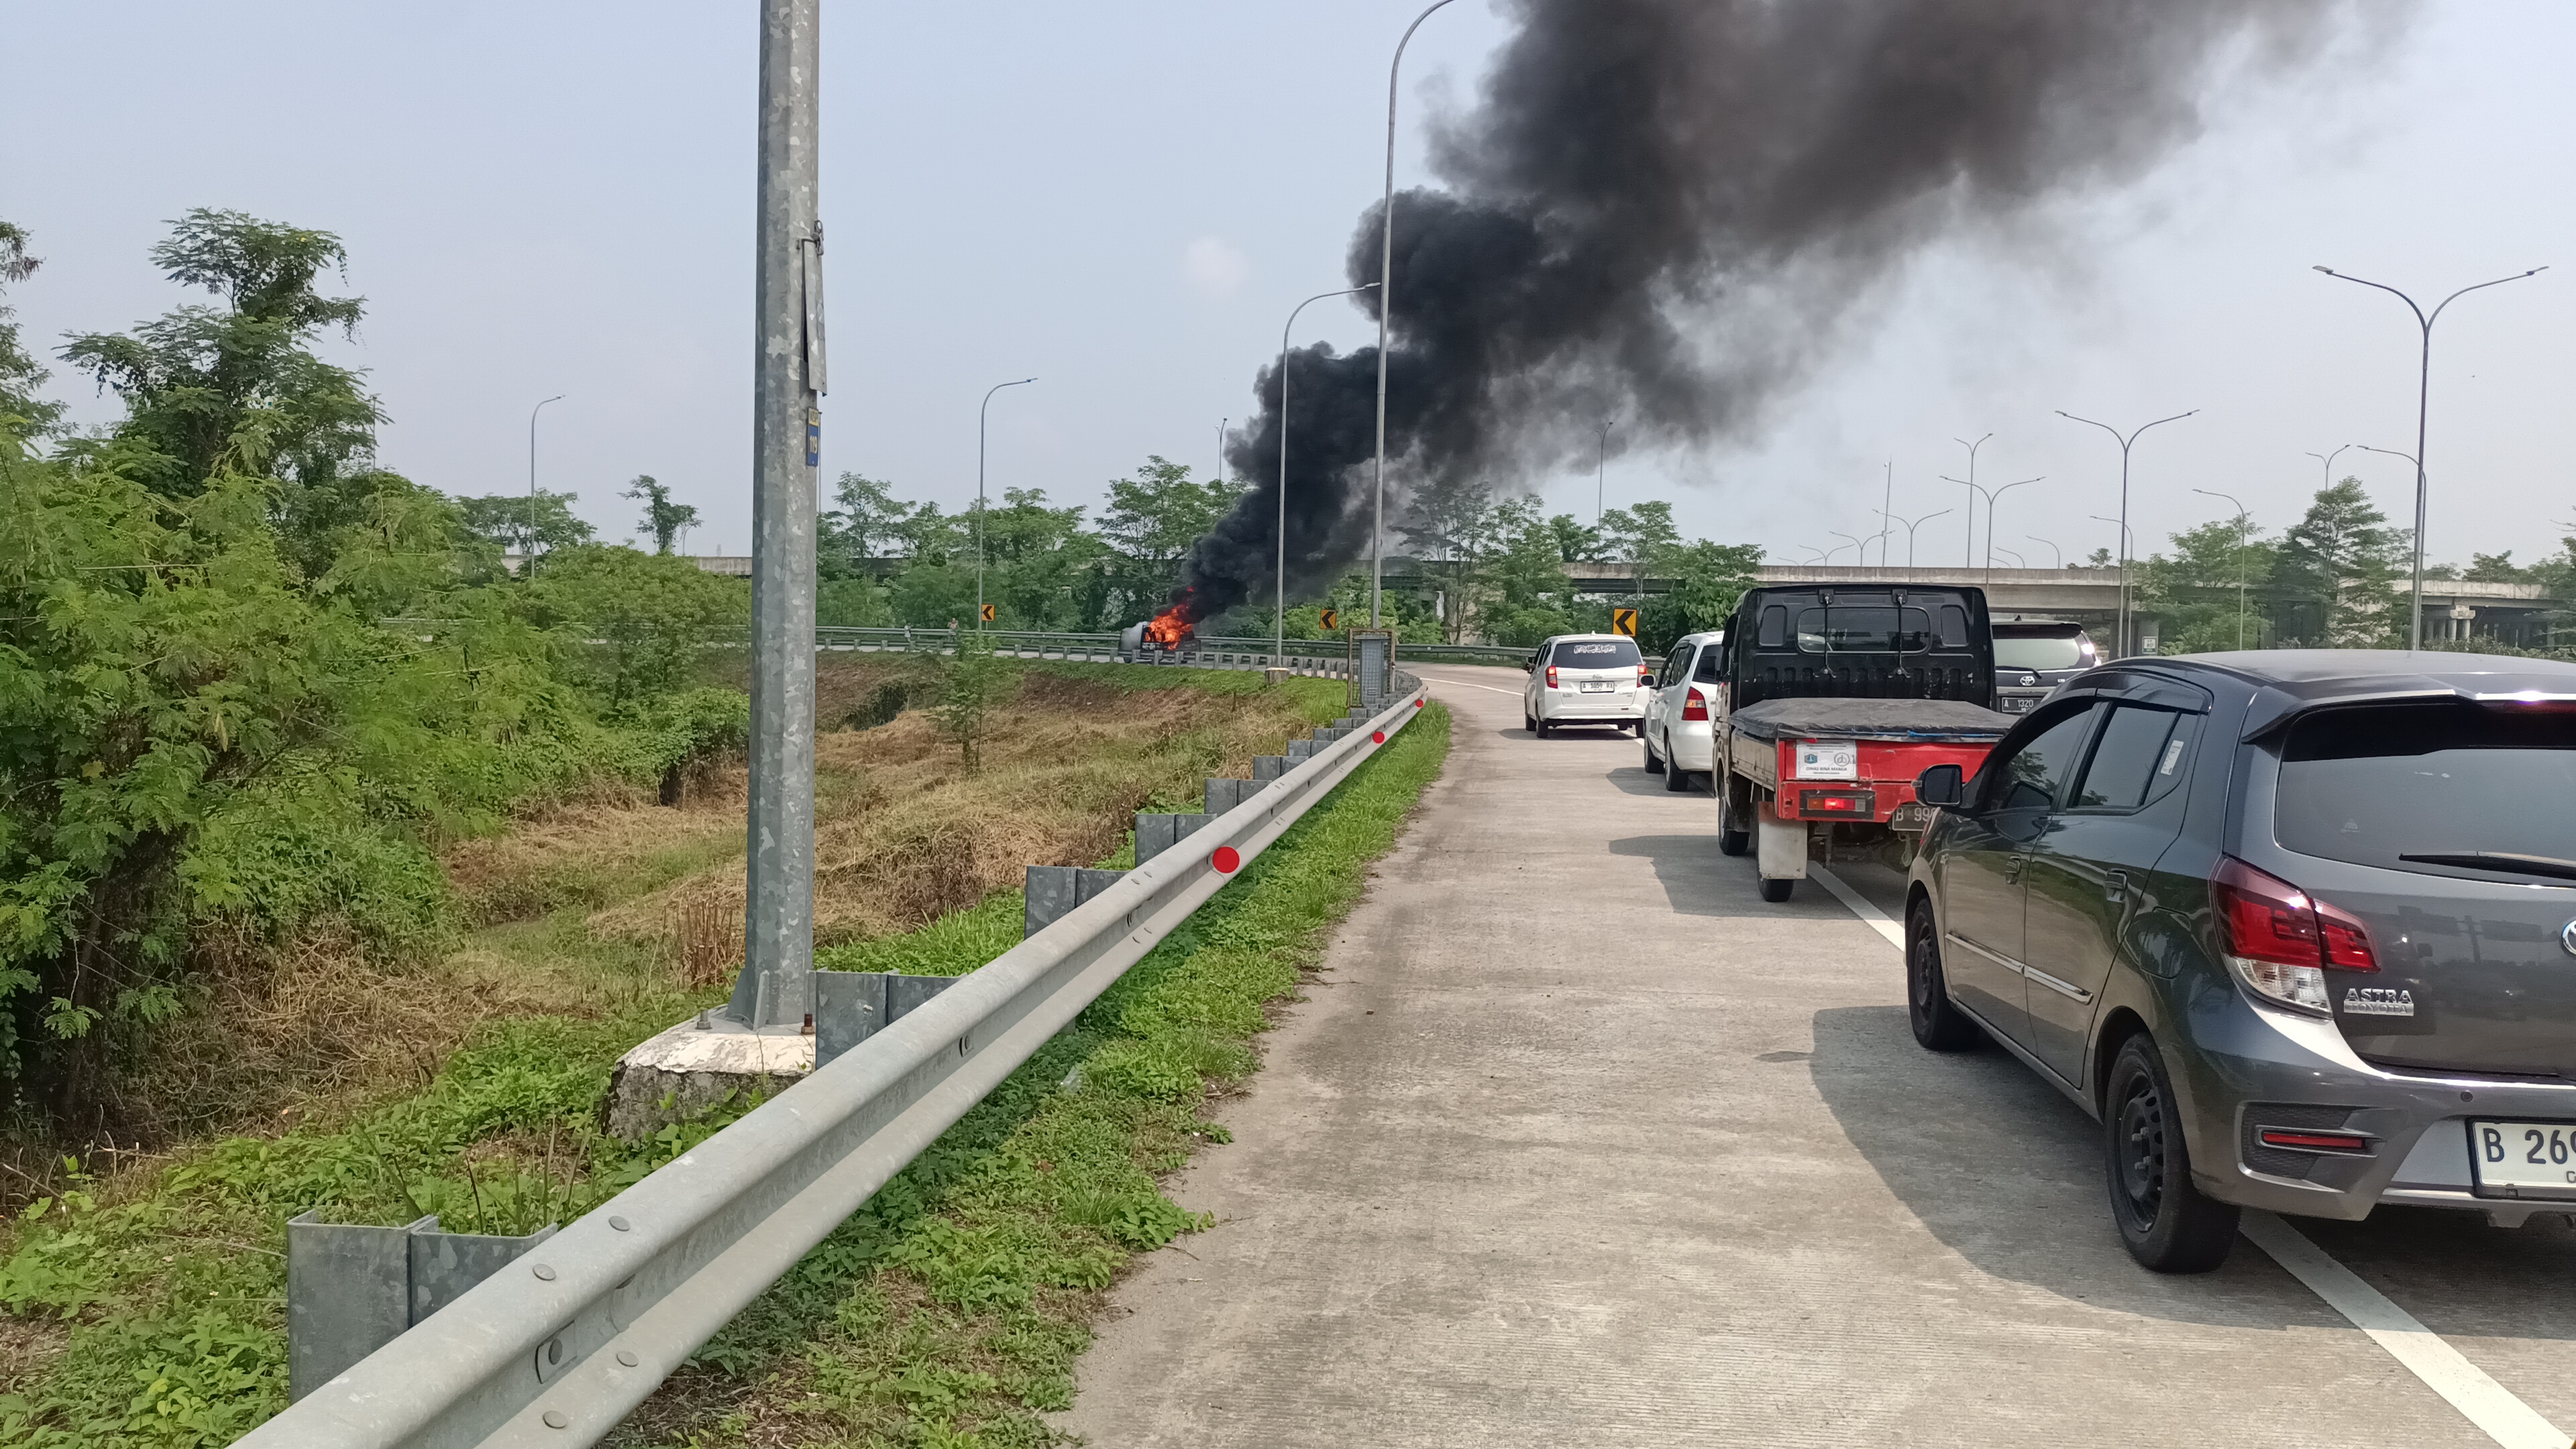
(2500, 860)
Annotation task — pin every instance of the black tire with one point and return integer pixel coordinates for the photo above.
(1539, 729)
(1938, 1025)
(2166, 1222)
(1732, 838)
(1654, 766)
(1529, 722)
(1676, 779)
(1776, 891)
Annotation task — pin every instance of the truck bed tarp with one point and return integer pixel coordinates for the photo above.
(1877, 719)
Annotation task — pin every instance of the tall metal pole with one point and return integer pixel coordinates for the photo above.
(2120, 640)
(1969, 559)
(1219, 474)
(528, 545)
(2061, 553)
(2423, 400)
(1600, 473)
(2242, 516)
(981, 413)
(1909, 532)
(2328, 460)
(787, 442)
(1385, 305)
(1884, 504)
(1991, 495)
(1279, 605)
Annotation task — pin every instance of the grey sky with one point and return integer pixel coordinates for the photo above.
(1126, 200)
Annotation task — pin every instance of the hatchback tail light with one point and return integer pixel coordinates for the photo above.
(1645, 677)
(2280, 939)
(1695, 707)
(1551, 676)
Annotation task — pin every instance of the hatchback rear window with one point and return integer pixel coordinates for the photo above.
(2029, 652)
(2370, 785)
(1596, 654)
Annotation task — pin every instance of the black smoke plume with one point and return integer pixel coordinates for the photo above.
(1662, 211)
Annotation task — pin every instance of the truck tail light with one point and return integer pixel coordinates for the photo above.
(2280, 940)
(1551, 676)
(1695, 707)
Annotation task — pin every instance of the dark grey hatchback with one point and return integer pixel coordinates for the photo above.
(2298, 927)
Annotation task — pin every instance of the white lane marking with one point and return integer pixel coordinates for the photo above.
(1436, 679)
(1877, 919)
(2481, 1400)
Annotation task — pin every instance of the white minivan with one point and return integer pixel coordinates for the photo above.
(1680, 743)
(1584, 679)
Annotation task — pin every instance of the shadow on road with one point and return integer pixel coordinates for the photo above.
(2008, 1173)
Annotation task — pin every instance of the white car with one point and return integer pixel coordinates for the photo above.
(1584, 679)
(1679, 740)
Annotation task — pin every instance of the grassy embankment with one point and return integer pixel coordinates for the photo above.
(145, 1305)
(949, 1311)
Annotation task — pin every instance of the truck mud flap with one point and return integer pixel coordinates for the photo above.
(1780, 846)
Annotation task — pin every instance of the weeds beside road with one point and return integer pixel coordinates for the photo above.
(144, 1306)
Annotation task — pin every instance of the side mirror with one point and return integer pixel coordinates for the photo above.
(1530, 665)
(1945, 785)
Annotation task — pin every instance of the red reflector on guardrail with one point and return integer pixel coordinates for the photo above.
(1377, 737)
(1226, 859)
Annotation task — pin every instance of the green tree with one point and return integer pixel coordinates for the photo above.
(2496, 568)
(201, 379)
(2196, 590)
(1640, 532)
(1152, 519)
(2336, 570)
(515, 522)
(22, 413)
(662, 518)
(965, 686)
(635, 625)
(868, 523)
(1703, 581)
(1575, 541)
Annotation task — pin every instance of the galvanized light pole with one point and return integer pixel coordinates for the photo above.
(2061, 553)
(981, 413)
(787, 449)
(1600, 473)
(2242, 517)
(2423, 397)
(1910, 526)
(1990, 495)
(2328, 460)
(1219, 474)
(1969, 559)
(2120, 643)
(1279, 607)
(1385, 304)
(528, 546)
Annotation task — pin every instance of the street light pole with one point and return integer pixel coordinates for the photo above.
(2423, 398)
(1279, 603)
(1969, 559)
(2242, 517)
(2120, 644)
(788, 384)
(1990, 497)
(1884, 504)
(2053, 548)
(1219, 474)
(981, 414)
(1909, 531)
(528, 545)
(2328, 460)
(1600, 472)
(1385, 305)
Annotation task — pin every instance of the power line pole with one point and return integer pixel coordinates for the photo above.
(787, 441)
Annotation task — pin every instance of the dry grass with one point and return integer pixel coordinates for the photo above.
(903, 834)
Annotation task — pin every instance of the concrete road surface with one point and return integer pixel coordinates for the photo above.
(1577, 1142)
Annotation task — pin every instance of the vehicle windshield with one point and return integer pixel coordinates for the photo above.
(2376, 784)
(1864, 629)
(2039, 653)
(1596, 654)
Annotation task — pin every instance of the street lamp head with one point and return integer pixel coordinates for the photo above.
(2329, 271)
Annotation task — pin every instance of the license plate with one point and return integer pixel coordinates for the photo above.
(2018, 703)
(2524, 1159)
(1598, 686)
(1913, 815)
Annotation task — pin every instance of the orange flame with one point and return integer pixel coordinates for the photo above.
(1169, 628)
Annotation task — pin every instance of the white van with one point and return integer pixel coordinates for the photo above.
(1584, 679)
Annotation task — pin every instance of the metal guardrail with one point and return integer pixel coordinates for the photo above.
(560, 1346)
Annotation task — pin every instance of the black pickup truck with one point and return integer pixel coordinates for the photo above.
(1834, 700)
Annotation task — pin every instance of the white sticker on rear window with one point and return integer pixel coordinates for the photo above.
(1596, 649)
(2173, 757)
